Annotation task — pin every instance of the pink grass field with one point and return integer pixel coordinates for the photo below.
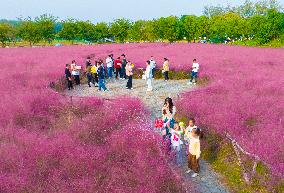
(39, 140)
(50, 144)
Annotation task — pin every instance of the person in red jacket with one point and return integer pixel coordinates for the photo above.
(117, 66)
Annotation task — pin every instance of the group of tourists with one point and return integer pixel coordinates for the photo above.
(177, 134)
(97, 72)
(181, 138)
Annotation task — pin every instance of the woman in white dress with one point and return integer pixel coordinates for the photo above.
(149, 76)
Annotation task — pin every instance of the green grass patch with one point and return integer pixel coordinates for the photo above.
(219, 152)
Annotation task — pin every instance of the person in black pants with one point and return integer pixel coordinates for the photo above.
(68, 77)
(129, 74)
(123, 65)
(88, 62)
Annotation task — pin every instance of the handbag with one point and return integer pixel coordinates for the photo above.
(159, 123)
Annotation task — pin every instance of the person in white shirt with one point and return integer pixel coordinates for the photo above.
(149, 76)
(187, 132)
(75, 72)
(176, 135)
(194, 72)
(109, 63)
(153, 66)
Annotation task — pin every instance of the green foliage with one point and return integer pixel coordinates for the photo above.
(101, 31)
(229, 24)
(86, 31)
(6, 33)
(70, 30)
(189, 27)
(168, 28)
(29, 31)
(119, 29)
(46, 27)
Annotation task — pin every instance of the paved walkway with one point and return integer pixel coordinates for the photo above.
(208, 181)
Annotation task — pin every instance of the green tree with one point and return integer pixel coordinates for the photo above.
(28, 31)
(70, 30)
(229, 24)
(149, 31)
(203, 26)
(101, 31)
(46, 27)
(276, 20)
(86, 31)
(260, 29)
(119, 29)
(136, 31)
(6, 33)
(168, 28)
(189, 27)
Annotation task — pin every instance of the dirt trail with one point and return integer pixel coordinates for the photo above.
(208, 181)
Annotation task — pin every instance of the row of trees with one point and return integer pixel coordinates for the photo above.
(262, 22)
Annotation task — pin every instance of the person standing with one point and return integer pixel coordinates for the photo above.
(89, 75)
(75, 72)
(129, 74)
(149, 77)
(194, 152)
(117, 66)
(109, 63)
(166, 69)
(194, 72)
(112, 57)
(68, 77)
(169, 111)
(101, 75)
(88, 62)
(153, 66)
(123, 66)
(95, 78)
(176, 142)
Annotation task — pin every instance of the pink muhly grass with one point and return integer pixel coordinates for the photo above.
(50, 144)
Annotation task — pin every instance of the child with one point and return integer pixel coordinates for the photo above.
(177, 143)
(194, 152)
(194, 72)
(182, 126)
(187, 132)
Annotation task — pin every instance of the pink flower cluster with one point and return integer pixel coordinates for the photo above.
(50, 143)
